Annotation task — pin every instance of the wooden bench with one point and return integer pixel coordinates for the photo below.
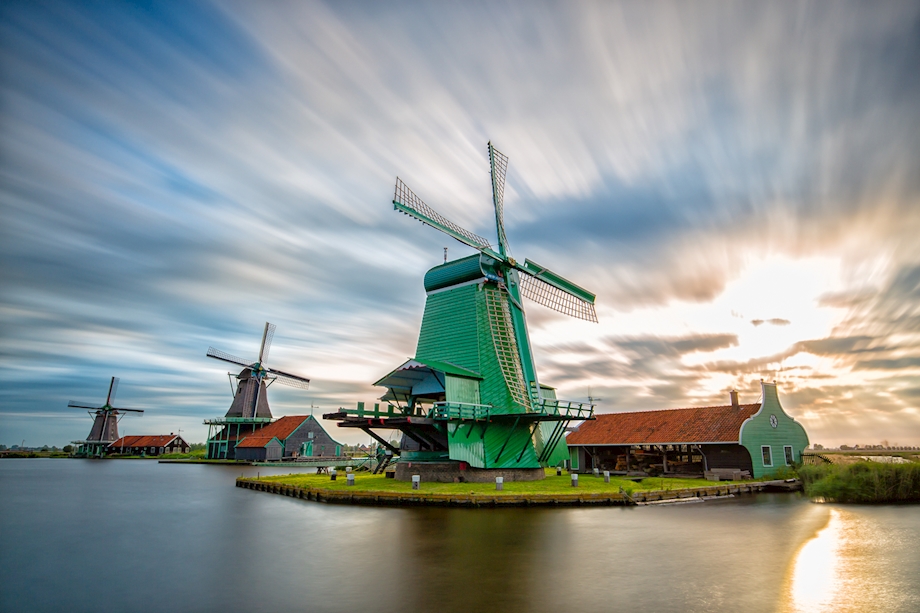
(726, 474)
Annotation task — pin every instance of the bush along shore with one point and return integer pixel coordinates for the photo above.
(864, 482)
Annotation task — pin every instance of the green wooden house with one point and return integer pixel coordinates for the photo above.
(757, 439)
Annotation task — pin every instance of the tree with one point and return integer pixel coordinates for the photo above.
(67, 449)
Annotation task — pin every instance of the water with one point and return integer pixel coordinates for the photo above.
(83, 535)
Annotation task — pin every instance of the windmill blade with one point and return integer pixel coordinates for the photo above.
(226, 357)
(289, 379)
(551, 290)
(113, 387)
(499, 163)
(128, 410)
(267, 336)
(73, 404)
(406, 201)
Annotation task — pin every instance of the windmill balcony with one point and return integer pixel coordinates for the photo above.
(550, 409)
(223, 421)
(565, 408)
(466, 411)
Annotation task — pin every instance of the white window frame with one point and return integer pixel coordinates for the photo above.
(770, 450)
(791, 455)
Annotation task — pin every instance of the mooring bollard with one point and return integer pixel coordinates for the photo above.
(596, 473)
(499, 483)
(606, 476)
(416, 479)
(347, 470)
(350, 479)
(558, 471)
(332, 475)
(574, 479)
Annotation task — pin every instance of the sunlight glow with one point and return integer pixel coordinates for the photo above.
(815, 580)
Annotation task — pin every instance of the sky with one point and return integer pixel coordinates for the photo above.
(739, 183)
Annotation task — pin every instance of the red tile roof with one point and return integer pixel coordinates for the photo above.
(671, 426)
(155, 440)
(256, 441)
(283, 427)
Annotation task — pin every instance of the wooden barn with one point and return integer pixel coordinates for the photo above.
(149, 444)
(258, 448)
(755, 439)
(297, 435)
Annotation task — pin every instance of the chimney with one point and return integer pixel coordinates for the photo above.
(734, 396)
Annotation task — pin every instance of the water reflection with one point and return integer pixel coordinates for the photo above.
(815, 570)
(215, 547)
(863, 559)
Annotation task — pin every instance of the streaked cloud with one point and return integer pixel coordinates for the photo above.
(174, 176)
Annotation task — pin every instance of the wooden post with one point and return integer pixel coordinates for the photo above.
(574, 479)
(416, 479)
(350, 479)
(558, 471)
(606, 476)
(499, 483)
(332, 475)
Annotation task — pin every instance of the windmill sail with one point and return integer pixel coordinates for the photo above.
(217, 354)
(267, 336)
(406, 201)
(113, 387)
(540, 291)
(499, 162)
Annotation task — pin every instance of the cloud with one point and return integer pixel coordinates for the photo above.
(773, 322)
(174, 177)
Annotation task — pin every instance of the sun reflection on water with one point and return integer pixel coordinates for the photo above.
(815, 575)
(854, 564)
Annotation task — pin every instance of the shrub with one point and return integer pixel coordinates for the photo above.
(863, 482)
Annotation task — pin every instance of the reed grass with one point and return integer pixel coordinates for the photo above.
(863, 482)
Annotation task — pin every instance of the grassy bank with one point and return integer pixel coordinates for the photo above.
(865, 482)
(550, 485)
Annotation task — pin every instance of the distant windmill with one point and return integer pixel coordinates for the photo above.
(105, 423)
(249, 410)
(250, 399)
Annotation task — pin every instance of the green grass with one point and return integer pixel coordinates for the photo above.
(550, 485)
(863, 482)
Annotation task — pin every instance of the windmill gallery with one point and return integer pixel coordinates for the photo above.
(469, 406)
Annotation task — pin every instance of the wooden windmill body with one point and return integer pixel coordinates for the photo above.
(249, 410)
(470, 400)
(105, 424)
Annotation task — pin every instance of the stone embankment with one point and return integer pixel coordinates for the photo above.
(416, 498)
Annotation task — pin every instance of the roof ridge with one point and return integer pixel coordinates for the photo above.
(715, 406)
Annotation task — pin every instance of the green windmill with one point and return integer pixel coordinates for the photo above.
(471, 399)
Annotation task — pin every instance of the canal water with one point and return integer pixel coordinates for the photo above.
(84, 535)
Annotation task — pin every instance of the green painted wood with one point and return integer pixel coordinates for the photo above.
(453, 273)
(465, 443)
(759, 431)
(449, 328)
(461, 389)
(573, 458)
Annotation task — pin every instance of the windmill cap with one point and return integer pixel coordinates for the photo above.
(453, 273)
